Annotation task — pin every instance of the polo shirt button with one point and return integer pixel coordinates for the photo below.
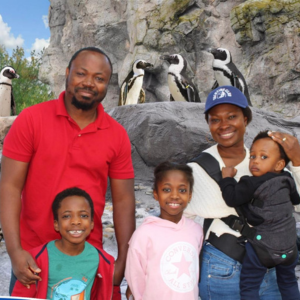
(79, 134)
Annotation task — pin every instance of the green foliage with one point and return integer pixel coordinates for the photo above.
(27, 89)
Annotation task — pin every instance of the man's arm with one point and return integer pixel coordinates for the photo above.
(122, 191)
(13, 176)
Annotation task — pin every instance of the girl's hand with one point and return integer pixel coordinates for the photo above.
(128, 293)
(228, 172)
(290, 145)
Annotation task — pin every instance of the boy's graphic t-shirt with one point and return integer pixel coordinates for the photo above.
(71, 277)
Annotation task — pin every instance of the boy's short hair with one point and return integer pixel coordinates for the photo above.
(74, 191)
(263, 135)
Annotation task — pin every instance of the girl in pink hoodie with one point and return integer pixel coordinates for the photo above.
(163, 255)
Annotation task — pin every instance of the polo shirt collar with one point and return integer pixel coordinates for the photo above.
(100, 123)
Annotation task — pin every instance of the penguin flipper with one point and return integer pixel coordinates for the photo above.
(123, 95)
(215, 85)
(122, 101)
(13, 104)
(236, 83)
(142, 97)
(190, 94)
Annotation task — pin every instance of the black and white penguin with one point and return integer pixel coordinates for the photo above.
(180, 86)
(226, 72)
(131, 89)
(7, 102)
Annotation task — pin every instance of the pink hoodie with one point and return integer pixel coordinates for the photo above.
(163, 260)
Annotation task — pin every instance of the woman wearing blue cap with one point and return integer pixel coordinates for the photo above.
(227, 114)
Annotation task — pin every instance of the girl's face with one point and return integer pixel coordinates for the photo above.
(227, 125)
(173, 194)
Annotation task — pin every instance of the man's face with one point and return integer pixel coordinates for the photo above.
(87, 80)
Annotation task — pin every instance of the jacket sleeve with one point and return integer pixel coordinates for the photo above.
(295, 198)
(136, 266)
(237, 193)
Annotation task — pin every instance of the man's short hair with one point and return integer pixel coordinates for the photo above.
(93, 49)
(74, 191)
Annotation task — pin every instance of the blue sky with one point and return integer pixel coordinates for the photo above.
(25, 24)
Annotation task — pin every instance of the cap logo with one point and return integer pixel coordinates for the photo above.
(221, 93)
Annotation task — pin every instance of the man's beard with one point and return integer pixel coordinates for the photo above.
(85, 105)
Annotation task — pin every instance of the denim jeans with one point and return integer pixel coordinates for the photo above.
(253, 272)
(220, 278)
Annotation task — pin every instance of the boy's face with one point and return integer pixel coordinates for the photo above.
(74, 221)
(265, 157)
(173, 194)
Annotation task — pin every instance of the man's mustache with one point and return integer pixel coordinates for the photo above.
(86, 89)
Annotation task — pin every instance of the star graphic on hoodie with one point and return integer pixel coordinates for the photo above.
(183, 266)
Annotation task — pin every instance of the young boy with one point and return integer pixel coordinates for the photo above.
(71, 268)
(266, 201)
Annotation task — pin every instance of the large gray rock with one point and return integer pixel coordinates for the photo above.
(5, 124)
(174, 131)
(269, 33)
(178, 131)
(263, 37)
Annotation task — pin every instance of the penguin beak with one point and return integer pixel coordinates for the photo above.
(148, 65)
(165, 57)
(168, 58)
(212, 50)
(13, 74)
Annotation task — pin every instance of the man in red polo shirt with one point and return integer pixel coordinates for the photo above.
(60, 144)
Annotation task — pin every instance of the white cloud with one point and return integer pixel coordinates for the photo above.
(45, 20)
(39, 44)
(7, 39)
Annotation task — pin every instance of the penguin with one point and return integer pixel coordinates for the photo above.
(131, 89)
(180, 86)
(7, 102)
(226, 72)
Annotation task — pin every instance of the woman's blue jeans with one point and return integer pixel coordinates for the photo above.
(220, 278)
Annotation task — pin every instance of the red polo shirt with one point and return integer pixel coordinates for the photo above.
(60, 156)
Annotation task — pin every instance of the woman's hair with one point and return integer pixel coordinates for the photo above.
(264, 135)
(166, 166)
(74, 191)
(246, 112)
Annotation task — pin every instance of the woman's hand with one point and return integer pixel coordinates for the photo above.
(290, 145)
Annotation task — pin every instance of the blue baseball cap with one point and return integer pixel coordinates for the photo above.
(225, 94)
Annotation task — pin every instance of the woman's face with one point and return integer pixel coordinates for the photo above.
(227, 124)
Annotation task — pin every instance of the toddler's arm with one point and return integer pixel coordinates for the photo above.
(236, 193)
